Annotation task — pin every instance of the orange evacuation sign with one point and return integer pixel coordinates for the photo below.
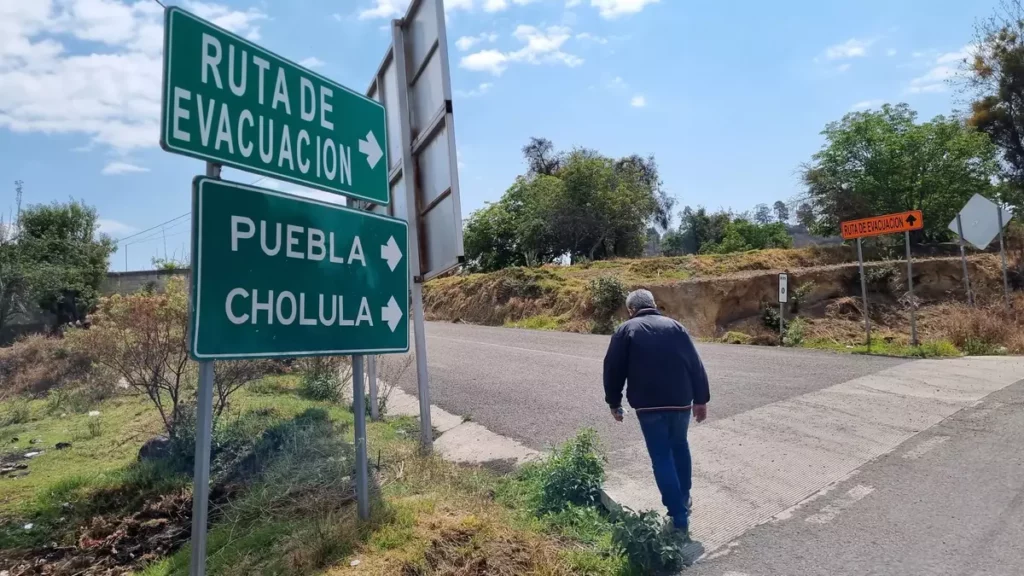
(879, 225)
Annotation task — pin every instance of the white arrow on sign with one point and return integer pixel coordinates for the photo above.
(391, 252)
(371, 149)
(392, 314)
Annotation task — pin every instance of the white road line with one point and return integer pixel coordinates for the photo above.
(829, 512)
(925, 447)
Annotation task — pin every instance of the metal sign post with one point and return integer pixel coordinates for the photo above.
(783, 298)
(371, 376)
(204, 441)
(359, 408)
(864, 294)
(1002, 256)
(910, 293)
(963, 259)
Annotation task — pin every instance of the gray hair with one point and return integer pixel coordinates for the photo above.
(640, 299)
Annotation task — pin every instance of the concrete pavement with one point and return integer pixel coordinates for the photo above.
(784, 424)
(950, 501)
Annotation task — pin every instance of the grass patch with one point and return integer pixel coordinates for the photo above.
(882, 347)
(292, 512)
(539, 322)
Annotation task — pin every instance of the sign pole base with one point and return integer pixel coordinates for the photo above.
(201, 474)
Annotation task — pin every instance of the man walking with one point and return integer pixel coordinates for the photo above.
(667, 382)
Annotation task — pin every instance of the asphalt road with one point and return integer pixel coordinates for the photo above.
(541, 387)
(948, 502)
(810, 462)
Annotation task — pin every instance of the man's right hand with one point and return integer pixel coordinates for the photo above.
(700, 412)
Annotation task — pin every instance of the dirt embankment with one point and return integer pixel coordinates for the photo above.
(707, 304)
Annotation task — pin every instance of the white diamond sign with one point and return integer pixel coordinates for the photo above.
(980, 221)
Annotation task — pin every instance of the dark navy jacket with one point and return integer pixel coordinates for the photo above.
(657, 357)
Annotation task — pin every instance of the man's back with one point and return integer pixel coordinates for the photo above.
(656, 357)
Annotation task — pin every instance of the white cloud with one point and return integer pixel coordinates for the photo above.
(495, 5)
(890, 52)
(866, 104)
(843, 67)
(311, 62)
(466, 42)
(944, 68)
(572, 3)
(114, 228)
(587, 36)
(480, 90)
(110, 90)
(385, 9)
(397, 8)
(117, 168)
(852, 48)
(541, 47)
(638, 101)
(491, 61)
(611, 9)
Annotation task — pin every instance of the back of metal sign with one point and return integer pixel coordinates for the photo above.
(431, 122)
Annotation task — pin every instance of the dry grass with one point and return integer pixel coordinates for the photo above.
(988, 328)
(37, 364)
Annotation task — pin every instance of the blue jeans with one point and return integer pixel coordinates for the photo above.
(665, 434)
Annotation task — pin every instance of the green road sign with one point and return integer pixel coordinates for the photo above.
(275, 275)
(229, 101)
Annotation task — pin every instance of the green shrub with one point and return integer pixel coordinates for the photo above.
(649, 548)
(795, 332)
(18, 412)
(770, 317)
(798, 296)
(323, 377)
(607, 296)
(572, 475)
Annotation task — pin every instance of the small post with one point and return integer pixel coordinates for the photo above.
(204, 438)
(359, 407)
(864, 293)
(371, 371)
(963, 260)
(782, 322)
(1002, 255)
(910, 293)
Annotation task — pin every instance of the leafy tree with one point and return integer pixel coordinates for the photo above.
(742, 235)
(805, 215)
(673, 243)
(781, 211)
(65, 259)
(883, 161)
(580, 204)
(541, 157)
(762, 214)
(698, 228)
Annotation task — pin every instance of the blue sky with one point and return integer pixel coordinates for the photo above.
(729, 96)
